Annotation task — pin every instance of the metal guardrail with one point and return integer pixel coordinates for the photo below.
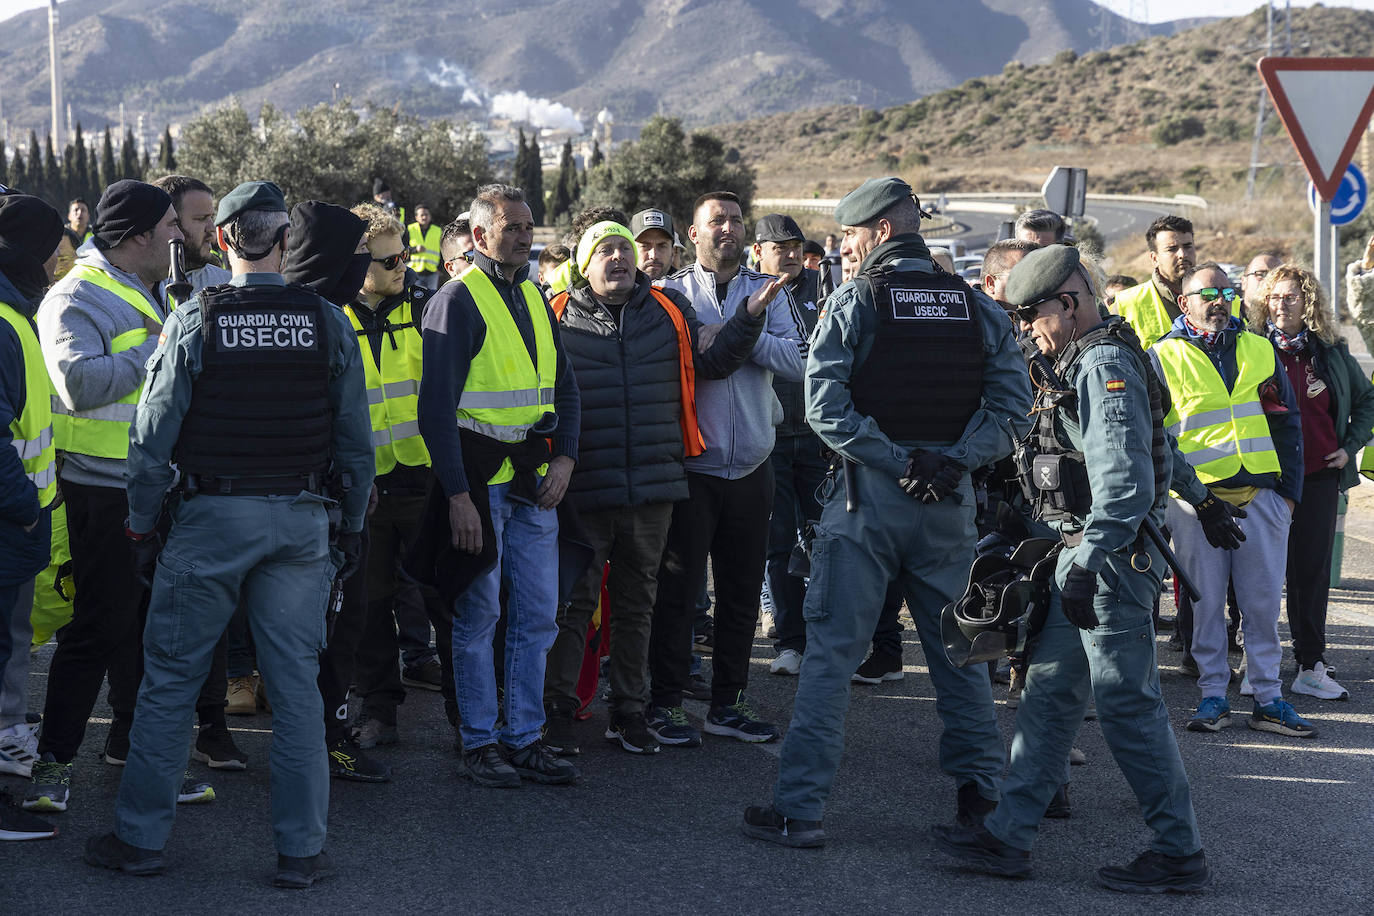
(827, 205)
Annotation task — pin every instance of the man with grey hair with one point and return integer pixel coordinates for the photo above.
(496, 388)
(998, 261)
(256, 391)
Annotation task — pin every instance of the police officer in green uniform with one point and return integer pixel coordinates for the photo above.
(256, 393)
(1102, 466)
(913, 380)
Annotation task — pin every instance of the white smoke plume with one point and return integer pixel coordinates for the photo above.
(452, 76)
(517, 106)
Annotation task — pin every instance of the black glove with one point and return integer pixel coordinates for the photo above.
(146, 549)
(930, 476)
(350, 544)
(1218, 520)
(1080, 587)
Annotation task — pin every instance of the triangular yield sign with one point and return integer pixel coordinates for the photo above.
(1325, 103)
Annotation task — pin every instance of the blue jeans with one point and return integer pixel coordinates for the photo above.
(1116, 662)
(927, 550)
(527, 548)
(273, 551)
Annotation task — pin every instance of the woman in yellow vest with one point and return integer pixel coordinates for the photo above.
(1337, 406)
(29, 233)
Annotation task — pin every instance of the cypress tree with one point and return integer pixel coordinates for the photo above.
(19, 175)
(128, 157)
(4, 164)
(534, 183)
(108, 169)
(597, 156)
(565, 191)
(80, 172)
(166, 156)
(38, 184)
(53, 177)
(521, 167)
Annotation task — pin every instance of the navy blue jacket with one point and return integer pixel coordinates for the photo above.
(25, 553)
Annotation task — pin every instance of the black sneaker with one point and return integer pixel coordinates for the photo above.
(347, 761)
(558, 735)
(18, 824)
(670, 726)
(117, 742)
(216, 749)
(738, 720)
(704, 640)
(972, 806)
(109, 851)
(765, 823)
(879, 667)
(1059, 807)
(698, 688)
(1187, 667)
(537, 763)
(977, 848)
(632, 731)
(299, 873)
(1155, 873)
(485, 766)
(427, 675)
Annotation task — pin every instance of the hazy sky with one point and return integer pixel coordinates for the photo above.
(1160, 10)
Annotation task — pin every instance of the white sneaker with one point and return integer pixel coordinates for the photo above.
(787, 662)
(1317, 682)
(18, 749)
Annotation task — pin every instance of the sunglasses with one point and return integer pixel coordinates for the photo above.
(1213, 293)
(1028, 313)
(392, 261)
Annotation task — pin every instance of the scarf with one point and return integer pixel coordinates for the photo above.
(1208, 338)
(1295, 344)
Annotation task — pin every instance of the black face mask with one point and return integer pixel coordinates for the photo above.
(346, 290)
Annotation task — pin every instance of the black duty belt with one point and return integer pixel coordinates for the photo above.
(251, 486)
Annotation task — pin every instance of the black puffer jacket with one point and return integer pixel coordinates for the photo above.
(630, 450)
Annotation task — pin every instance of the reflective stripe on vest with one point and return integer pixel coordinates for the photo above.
(103, 432)
(426, 261)
(1219, 431)
(31, 431)
(506, 393)
(393, 392)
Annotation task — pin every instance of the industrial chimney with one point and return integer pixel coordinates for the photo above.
(56, 64)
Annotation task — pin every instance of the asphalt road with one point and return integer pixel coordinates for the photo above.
(1286, 822)
(1116, 221)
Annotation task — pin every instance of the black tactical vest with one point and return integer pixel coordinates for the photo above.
(923, 379)
(260, 407)
(1058, 475)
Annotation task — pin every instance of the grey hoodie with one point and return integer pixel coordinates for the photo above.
(76, 322)
(737, 414)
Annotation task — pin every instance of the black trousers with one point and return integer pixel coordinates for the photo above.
(1310, 543)
(887, 635)
(105, 636)
(726, 520)
(798, 470)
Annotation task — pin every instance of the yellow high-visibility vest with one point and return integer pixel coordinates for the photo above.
(393, 392)
(1220, 431)
(426, 261)
(1144, 310)
(506, 393)
(32, 429)
(103, 432)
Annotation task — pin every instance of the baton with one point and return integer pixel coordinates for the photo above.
(1153, 532)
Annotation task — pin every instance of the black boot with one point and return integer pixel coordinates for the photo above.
(1155, 873)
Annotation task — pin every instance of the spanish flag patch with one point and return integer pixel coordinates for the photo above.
(1116, 384)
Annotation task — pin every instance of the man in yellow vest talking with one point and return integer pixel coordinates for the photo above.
(500, 413)
(98, 326)
(29, 234)
(1236, 420)
(422, 239)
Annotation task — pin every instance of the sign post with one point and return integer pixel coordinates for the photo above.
(1346, 206)
(1325, 104)
(1066, 191)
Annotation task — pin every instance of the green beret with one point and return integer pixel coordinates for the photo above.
(871, 199)
(1039, 274)
(251, 195)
